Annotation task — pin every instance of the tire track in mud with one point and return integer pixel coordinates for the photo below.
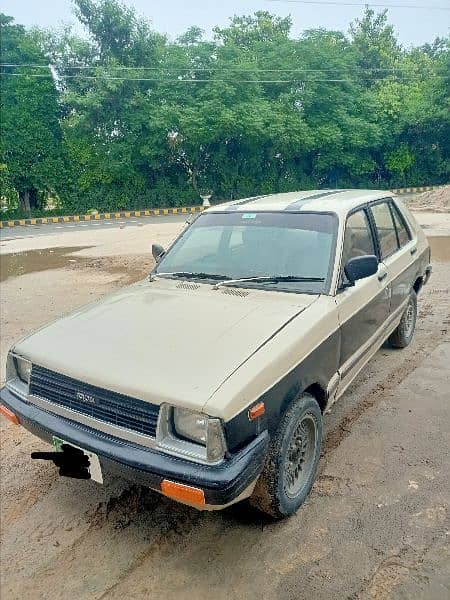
(433, 301)
(137, 522)
(176, 530)
(396, 568)
(334, 437)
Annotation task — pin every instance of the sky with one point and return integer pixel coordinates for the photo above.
(413, 26)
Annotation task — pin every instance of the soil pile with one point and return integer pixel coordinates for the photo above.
(436, 200)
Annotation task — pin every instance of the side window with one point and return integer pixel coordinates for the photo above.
(403, 234)
(358, 239)
(387, 235)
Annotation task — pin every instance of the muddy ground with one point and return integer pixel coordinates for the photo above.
(377, 524)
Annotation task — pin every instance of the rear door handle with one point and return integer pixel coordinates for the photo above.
(413, 251)
(382, 276)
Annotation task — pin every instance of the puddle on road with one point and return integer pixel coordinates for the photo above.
(130, 268)
(440, 248)
(13, 265)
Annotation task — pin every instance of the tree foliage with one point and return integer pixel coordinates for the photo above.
(146, 121)
(31, 146)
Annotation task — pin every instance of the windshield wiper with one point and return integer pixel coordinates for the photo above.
(271, 279)
(189, 275)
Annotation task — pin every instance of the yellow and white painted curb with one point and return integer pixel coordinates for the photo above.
(153, 212)
(416, 190)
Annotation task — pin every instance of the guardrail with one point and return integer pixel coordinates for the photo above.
(154, 212)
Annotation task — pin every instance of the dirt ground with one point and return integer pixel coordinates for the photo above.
(376, 526)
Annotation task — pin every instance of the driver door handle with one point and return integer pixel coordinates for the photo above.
(382, 276)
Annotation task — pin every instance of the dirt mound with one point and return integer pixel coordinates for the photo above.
(436, 200)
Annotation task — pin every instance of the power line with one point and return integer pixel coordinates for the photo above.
(235, 81)
(331, 3)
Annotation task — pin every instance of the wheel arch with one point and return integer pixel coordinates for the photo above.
(319, 393)
(418, 284)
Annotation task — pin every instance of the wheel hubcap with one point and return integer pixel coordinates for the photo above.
(409, 319)
(300, 456)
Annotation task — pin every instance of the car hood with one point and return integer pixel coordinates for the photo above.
(166, 341)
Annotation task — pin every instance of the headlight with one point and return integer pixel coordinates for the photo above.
(192, 434)
(18, 370)
(23, 369)
(18, 367)
(191, 425)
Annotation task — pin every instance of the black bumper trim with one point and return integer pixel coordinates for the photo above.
(221, 484)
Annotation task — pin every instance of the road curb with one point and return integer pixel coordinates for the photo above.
(153, 212)
(415, 190)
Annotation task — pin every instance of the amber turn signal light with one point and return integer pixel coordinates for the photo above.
(9, 415)
(183, 493)
(256, 411)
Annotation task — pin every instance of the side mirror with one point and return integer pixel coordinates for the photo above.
(157, 252)
(361, 267)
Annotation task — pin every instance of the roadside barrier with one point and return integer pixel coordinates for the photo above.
(416, 190)
(154, 212)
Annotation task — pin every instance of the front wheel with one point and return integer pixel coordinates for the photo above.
(402, 336)
(292, 460)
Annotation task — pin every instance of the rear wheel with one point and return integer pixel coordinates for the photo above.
(292, 460)
(402, 336)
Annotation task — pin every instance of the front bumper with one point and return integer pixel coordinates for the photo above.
(222, 484)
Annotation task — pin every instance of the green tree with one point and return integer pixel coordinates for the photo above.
(31, 142)
(374, 41)
(148, 121)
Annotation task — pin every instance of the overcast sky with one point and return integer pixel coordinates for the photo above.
(414, 26)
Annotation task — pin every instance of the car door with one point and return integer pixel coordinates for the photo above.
(397, 249)
(364, 307)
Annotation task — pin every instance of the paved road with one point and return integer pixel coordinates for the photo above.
(13, 233)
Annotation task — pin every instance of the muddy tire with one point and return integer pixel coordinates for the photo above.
(402, 336)
(292, 460)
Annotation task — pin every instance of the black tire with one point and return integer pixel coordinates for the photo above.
(402, 336)
(271, 494)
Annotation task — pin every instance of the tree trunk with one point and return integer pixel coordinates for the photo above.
(28, 199)
(194, 181)
(24, 198)
(33, 198)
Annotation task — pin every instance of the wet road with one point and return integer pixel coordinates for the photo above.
(20, 232)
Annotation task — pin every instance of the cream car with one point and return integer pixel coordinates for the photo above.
(208, 381)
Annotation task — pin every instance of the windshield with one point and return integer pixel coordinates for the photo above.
(235, 245)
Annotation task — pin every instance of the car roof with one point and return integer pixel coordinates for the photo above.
(337, 201)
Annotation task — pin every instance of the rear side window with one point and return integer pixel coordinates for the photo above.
(358, 239)
(402, 231)
(387, 235)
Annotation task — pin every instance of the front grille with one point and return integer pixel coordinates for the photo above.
(109, 407)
